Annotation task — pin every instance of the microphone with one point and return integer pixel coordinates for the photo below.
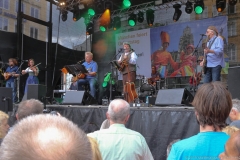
(81, 61)
(202, 34)
(24, 60)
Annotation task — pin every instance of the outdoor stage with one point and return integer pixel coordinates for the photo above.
(159, 125)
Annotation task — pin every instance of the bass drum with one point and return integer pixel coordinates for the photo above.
(147, 87)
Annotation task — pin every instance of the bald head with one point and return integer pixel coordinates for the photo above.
(232, 148)
(46, 137)
(118, 111)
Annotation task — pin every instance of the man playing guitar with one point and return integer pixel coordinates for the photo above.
(91, 77)
(10, 75)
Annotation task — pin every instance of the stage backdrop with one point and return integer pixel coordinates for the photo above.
(147, 44)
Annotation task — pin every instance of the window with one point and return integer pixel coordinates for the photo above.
(231, 9)
(232, 49)
(232, 28)
(34, 32)
(34, 12)
(4, 4)
(3, 24)
(205, 13)
(214, 11)
(16, 6)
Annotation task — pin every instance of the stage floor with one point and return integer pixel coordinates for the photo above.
(159, 125)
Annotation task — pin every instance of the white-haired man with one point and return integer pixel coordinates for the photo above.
(235, 113)
(118, 142)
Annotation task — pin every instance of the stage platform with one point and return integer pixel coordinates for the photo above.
(159, 125)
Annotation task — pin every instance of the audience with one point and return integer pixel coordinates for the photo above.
(232, 148)
(117, 142)
(212, 104)
(235, 113)
(95, 149)
(3, 125)
(230, 130)
(29, 107)
(45, 137)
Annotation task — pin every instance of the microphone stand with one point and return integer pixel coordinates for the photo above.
(18, 81)
(195, 53)
(114, 57)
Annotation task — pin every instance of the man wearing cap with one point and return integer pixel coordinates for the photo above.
(214, 55)
(162, 57)
(130, 57)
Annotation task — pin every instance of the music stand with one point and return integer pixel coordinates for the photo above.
(76, 68)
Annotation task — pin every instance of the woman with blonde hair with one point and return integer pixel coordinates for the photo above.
(95, 149)
(3, 125)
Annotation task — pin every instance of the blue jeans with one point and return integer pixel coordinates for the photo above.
(92, 84)
(14, 90)
(213, 74)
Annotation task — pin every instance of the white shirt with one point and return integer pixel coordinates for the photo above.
(133, 59)
(119, 143)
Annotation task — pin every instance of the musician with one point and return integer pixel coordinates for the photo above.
(91, 77)
(130, 57)
(214, 54)
(13, 73)
(32, 74)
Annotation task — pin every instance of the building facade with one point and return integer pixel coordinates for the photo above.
(34, 8)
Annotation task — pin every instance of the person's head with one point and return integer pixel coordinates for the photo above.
(29, 107)
(232, 148)
(235, 111)
(95, 149)
(46, 137)
(169, 147)
(190, 49)
(3, 124)
(211, 31)
(154, 70)
(88, 56)
(118, 111)
(31, 62)
(165, 38)
(212, 104)
(126, 47)
(12, 62)
(165, 45)
(230, 130)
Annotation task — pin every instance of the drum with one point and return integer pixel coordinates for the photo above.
(147, 87)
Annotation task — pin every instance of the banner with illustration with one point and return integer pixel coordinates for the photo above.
(174, 50)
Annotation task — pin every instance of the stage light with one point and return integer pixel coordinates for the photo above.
(108, 5)
(103, 28)
(140, 17)
(177, 13)
(232, 2)
(150, 16)
(220, 5)
(64, 15)
(116, 23)
(132, 19)
(198, 6)
(76, 13)
(188, 8)
(91, 12)
(89, 28)
(126, 3)
(104, 20)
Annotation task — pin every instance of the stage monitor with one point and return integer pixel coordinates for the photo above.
(78, 98)
(6, 104)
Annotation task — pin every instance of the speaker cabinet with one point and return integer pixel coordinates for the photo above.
(78, 98)
(178, 96)
(6, 104)
(234, 81)
(36, 91)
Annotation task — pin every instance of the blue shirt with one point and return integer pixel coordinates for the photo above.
(10, 70)
(204, 145)
(91, 67)
(216, 58)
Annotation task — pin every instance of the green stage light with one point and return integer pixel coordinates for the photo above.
(132, 19)
(126, 3)
(91, 12)
(102, 28)
(199, 6)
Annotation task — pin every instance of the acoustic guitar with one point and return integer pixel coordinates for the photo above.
(7, 75)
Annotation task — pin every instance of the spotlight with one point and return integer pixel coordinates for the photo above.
(105, 20)
(232, 2)
(132, 19)
(116, 23)
(89, 28)
(188, 8)
(108, 5)
(198, 6)
(220, 5)
(102, 28)
(177, 13)
(140, 17)
(126, 3)
(76, 13)
(150, 16)
(91, 12)
(62, 2)
(64, 16)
